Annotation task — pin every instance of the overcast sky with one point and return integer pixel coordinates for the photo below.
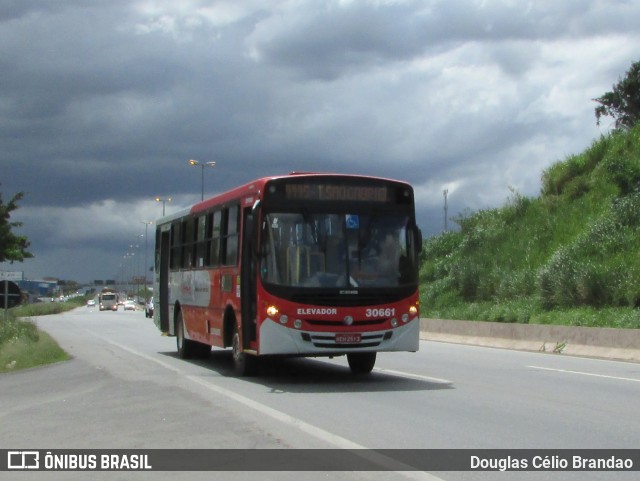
(102, 104)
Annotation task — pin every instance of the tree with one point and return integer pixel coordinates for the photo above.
(623, 103)
(12, 247)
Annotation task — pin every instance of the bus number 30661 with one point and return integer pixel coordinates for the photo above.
(381, 312)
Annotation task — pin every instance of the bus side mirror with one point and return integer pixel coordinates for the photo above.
(418, 239)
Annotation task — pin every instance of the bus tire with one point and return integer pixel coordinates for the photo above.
(188, 349)
(361, 362)
(243, 364)
(183, 345)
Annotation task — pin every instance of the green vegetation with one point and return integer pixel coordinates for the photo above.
(12, 247)
(623, 102)
(22, 345)
(48, 308)
(570, 256)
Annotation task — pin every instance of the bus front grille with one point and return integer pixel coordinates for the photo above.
(329, 341)
(367, 322)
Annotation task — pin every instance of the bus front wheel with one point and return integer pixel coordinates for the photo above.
(243, 364)
(361, 362)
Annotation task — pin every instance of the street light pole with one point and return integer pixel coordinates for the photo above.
(164, 201)
(196, 163)
(134, 248)
(446, 209)
(129, 270)
(146, 265)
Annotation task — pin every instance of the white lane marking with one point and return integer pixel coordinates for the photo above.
(585, 373)
(305, 427)
(413, 376)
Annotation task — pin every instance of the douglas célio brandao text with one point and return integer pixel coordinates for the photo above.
(550, 463)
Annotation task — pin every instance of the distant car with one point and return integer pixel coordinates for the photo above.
(148, 308)
(91, 303)
(129, 306)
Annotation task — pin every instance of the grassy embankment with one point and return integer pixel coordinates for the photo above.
(22, 345)
(571, 256)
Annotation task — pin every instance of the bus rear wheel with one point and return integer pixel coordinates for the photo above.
(361, 362)
(243, 364)
(187, 348)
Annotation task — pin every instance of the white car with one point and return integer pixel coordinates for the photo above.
(91, 303)
(129, 306)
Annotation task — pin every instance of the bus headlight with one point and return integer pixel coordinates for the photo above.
(284, 319)
(405, 317)
(272, 311)
(297, 323)
(394, 322)
(413, 310)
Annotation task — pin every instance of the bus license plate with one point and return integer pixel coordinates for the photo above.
(348, 338)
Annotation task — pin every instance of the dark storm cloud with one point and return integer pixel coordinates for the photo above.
(327, 40)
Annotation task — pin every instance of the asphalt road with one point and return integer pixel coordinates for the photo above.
(125, 388)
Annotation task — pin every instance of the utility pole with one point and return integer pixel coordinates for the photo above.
(446, 210)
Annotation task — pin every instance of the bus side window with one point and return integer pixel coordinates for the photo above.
(200, 251)
(176, 247)
(214, 241)
(231, 236)
(187, 243)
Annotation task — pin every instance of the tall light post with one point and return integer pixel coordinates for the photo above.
(123, 273)
(195, 163)
(128, 267)
(146, 265)
(446, 209)
(139, 266)
(164, 202)
(134, 251)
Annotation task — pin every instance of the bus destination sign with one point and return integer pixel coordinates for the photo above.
(337, 192)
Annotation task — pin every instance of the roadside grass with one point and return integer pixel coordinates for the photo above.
(528, 311)
(46, 308)
(22, 344)
(28, 347)
(611, 317)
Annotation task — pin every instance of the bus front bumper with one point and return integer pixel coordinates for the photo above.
(278, 339)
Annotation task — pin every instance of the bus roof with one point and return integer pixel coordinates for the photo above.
(250, 192)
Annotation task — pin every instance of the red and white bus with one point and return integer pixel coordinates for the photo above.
(294, 265)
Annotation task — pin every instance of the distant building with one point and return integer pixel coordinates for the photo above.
(36, 289)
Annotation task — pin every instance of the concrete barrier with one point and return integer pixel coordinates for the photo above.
(620, 344)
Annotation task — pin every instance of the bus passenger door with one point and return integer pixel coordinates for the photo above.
(248, 277)
(163, 292)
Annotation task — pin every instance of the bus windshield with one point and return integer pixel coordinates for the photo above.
(346, 251)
